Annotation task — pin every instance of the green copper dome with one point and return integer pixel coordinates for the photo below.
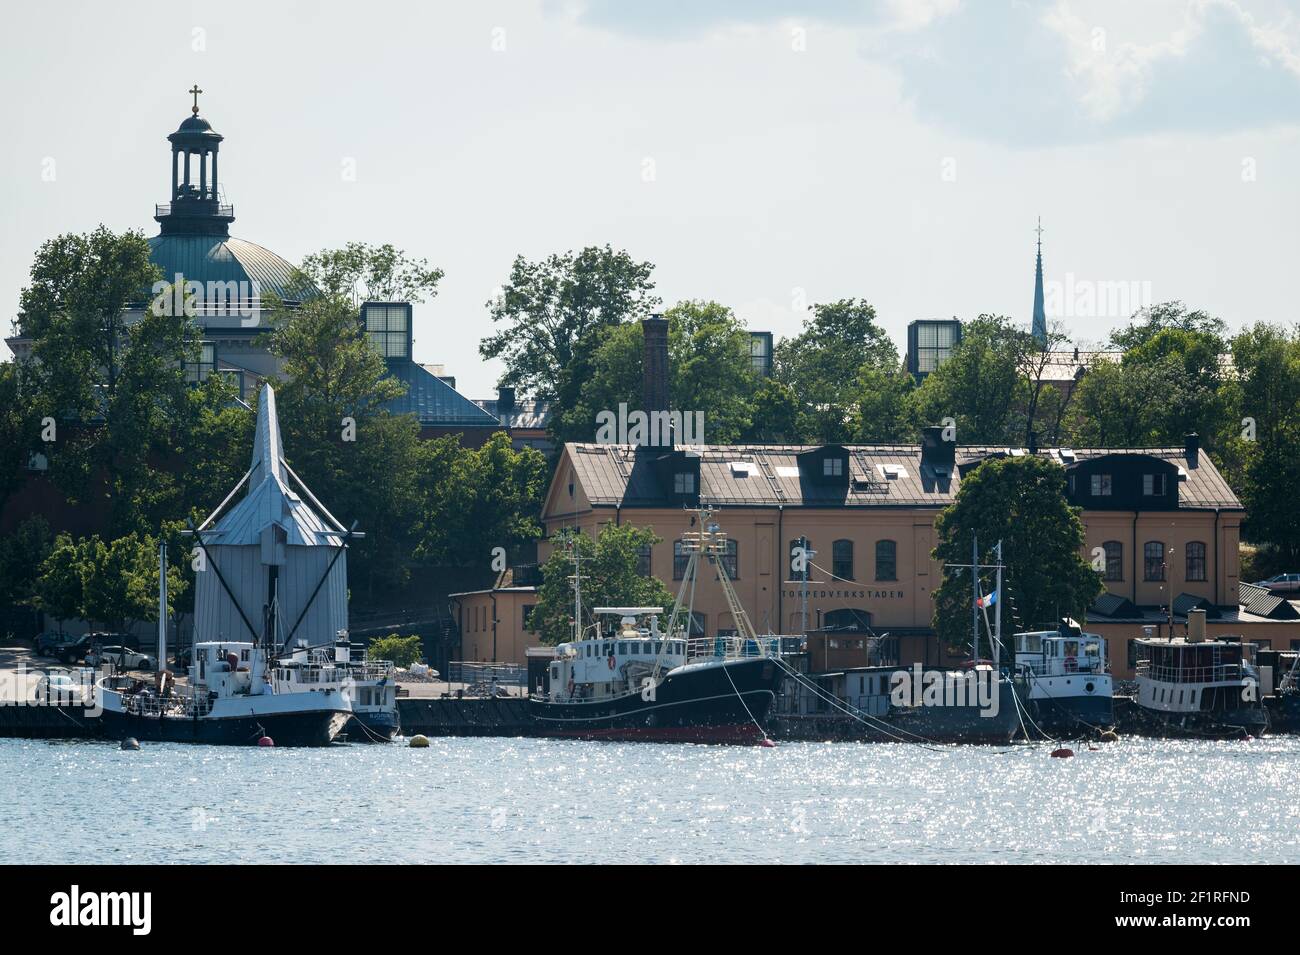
(216, 258)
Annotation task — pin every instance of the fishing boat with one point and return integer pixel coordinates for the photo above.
(1199, 688)
(625, 678)
(229, 700)
(1064, 672)
(369, 685)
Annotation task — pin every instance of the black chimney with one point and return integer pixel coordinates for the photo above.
(1033, 441)
(505, 401)
(654, 364)
(1192, 447)
(935, 450)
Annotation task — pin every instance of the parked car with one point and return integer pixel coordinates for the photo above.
(124, 658)
(1282, 583)
(47, 642)
(59, 688)
(75, 650)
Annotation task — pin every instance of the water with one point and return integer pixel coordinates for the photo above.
(507, 800)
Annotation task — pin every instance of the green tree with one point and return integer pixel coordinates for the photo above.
(401, 651)
(981, 385)
(110, 368)
(59, 590)
(20, 426)
(829, 363)
(709, 371)
(21, 555)
(120, 580)
(774, 414)
(609, 578)
(488, 497)
(364, 463)
(368, 273)
(1020, 501)
(550, 307)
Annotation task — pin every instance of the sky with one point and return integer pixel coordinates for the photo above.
(767, 155)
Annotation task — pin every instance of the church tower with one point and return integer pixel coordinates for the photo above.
(195, 207)
(1040, 314)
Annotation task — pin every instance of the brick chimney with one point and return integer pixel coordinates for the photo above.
(654, 364)
(1191, 448)
(505, 400)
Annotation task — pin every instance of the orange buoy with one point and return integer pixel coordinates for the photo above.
(266, 741)
(1062, 753)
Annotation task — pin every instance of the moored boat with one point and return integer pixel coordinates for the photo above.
(1065, 675)
(1198, 688)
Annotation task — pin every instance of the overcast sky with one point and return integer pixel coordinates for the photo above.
(766, 154)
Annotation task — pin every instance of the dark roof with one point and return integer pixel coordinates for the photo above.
(879, 475)
(1113, 605)
(434, 402)
(527, 413)
(216, 258)
(1185, 603)
(1264, 603)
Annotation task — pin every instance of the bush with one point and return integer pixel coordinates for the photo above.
(403, 651)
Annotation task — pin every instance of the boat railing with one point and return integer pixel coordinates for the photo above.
(1216, 673)
(180, 705)
(731, 646)
(1051, 669)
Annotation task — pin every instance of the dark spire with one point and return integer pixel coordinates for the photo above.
(195, 207)
(1040, 314)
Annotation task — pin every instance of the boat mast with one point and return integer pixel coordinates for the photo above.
(577, 589)
(162, 607)
(975, 597)
(997, 614)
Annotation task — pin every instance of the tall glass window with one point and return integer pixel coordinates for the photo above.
(389, 328)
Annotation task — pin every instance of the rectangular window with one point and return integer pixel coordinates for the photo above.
(528, 617)
(681, 557)
(643, 561)
(842, 559)
(1154, 561)
(1153, 485)
(1114, 560)
(389, 329)
(833, 467)
(886, 560)
(1196, 561)
(1101, 485)
(684, 482)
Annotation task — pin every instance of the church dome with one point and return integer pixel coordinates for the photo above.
(217, 258)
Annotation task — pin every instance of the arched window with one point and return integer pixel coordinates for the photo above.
(1153, 554)
(842, 559)
(1196, 560)
(886, 560)
(1114, 560)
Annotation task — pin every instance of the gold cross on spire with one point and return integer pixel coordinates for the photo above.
(196, 91)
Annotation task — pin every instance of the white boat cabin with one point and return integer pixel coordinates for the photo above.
(615, 659)
(1053, 653)
(230, 668)
(1178, 676)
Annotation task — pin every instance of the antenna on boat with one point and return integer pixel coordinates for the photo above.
(577, 588)
(162, 608)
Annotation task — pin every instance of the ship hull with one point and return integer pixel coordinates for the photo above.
(1074, 714)
(1284, 712)
(717, 702)
(303, 728)
(372, 727)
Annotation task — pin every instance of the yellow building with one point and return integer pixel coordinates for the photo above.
(1161, 523)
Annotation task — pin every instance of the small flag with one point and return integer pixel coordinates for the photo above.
(987, 601)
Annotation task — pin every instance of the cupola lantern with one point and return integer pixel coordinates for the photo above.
(195, 207)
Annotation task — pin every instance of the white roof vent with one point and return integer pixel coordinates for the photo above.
(1067, 454)
(892, 472)
(740, 469)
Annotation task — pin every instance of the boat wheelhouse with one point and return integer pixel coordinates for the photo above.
(1066, 675)
(1199, 687)
(369, 685)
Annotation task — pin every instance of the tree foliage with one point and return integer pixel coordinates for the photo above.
(1020, 501)
(551, 309)
(609, 578)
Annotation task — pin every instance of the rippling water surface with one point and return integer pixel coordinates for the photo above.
(504, 800)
